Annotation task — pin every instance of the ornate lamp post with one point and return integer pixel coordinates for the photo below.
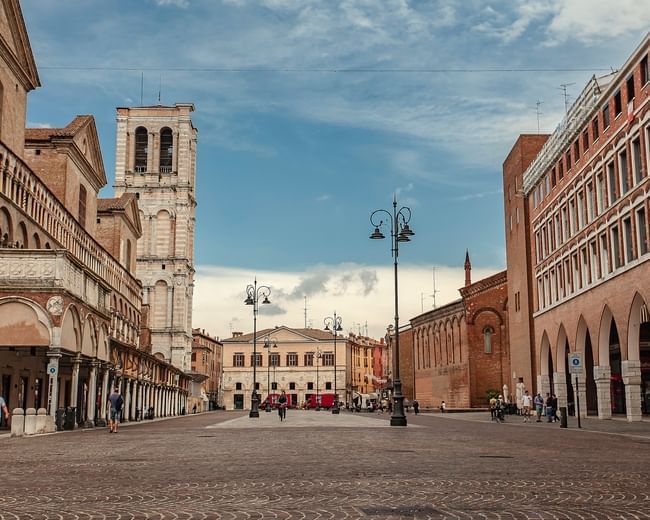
(268, 345)
(318, 356)
(335, 323)
(399, 232)
(253, 295)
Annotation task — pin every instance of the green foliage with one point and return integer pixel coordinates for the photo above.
(492, 393)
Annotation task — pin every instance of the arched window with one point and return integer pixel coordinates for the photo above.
(141, 143)
(166, 150)
(24, 240)
(487, 339)
(37, 241)
(82, 205)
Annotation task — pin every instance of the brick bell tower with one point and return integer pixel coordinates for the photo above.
(156, 160)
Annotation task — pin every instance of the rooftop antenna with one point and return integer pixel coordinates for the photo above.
(305, 311)
(538, 112)
(565, 93)
(435, 291)
(160, 90)
(142, 88)
(366, 328)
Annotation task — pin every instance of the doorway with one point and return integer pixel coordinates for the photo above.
(239, 401)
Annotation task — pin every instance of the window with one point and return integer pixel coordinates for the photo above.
(274, 386)
(606, 116)
(604, 256)
(612, 183)
(622, 170)
(328, 385)
(141, 143)
(558, 229)
(534, 198)
(553, 178)
(568, 160)
(166, 150)
(581, 209)
(560, 170)
(590, 201)
(274, 360)
(238, 385)
(576, 149)
(584, 267)
(309, 359)
(238, 360)
(593, 261)
(487, 339)
(292, 386)
(600, 193)
(628, 240)
(629, 86)
(616, 246)
(585, 140)
(310, 386)
(642, 231)
(256, 360)
(292, 359)
(257, 386)
(636, 160)
(575, 278)
(82, 205)
(644, 70)
(594, 128)
(572, 217)
(618, 105)
(328, 359)
(547, 183)
(193, 356)
(565, 224)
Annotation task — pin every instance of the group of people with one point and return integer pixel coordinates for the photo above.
(542, 407)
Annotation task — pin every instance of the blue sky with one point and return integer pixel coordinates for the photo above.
(293, 157)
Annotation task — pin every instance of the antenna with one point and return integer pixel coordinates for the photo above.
(538, 112)
(305, 311)
(435, 291)
(565, 93)
(366, 328)
(160, 90)
(142, 89)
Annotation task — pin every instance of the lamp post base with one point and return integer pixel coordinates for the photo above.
(398, 418)
(254, 407)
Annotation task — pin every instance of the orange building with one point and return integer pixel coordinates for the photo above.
(207, 360)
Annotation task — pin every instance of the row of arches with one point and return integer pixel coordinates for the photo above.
(439, 343)
(142, 150)
(19, 236)
(616, 359)
(160, 240)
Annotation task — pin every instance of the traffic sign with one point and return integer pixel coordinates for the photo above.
(575, 363)
(52, 369)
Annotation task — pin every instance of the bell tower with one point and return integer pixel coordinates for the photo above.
(156, 160)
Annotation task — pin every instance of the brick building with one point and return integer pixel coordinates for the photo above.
(70, 306)
(578, 243)
(461, 350)
(207, 360)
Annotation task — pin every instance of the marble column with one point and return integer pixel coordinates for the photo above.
(603, 379)
(559, 380)
(631, 372)
(134, 400)
(104, 397)
(92, 396)
(127, 400)
(74, 393)
(54, 355)
(544, 384)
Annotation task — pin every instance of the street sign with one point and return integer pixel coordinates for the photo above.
(575, 363)
(52, 369)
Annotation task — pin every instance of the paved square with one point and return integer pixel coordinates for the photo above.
(305, 419)
(445, 468)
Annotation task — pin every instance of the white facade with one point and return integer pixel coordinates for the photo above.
(299, 381)
(156, 159)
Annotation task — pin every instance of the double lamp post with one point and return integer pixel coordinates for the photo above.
(399, 232)
(335, 324)
(253, 296)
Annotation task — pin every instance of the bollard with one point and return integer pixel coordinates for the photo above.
(17, 422)
(30, 421)
(563, 417)
(41, 421)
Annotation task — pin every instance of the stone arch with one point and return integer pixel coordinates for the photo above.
(24, 323)
(103, 344)
(584, 346)
(633, 328)
(141, 149)
(71, 332)
(545, 357)
(604, 329)
(483, 310)
(36, 241)
(6, 228)
(89, 338)
(163, 233)
(22, 237)
(160, 304)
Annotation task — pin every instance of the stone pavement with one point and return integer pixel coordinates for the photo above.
(186, 468)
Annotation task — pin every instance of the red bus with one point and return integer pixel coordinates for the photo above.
(273, 399)
(326, 401)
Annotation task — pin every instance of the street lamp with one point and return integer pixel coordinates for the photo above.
(399, 232)
(318, 356)
(253, 296)
(335, 323)
(269, 346)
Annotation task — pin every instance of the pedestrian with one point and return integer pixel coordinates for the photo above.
(493, 408)
(282, 406)
(554, 404)
(443, 407)
(194, 408)
(416, 407)
(539, 406)
(549, 408)
(115, 401)
(4, 410)
(526, 405)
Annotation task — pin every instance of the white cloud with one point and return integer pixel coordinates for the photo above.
(358, 293)
(177, 3)
(31, 124)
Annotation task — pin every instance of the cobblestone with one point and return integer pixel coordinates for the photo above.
(188, 469)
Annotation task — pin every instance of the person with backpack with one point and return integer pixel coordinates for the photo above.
(116, 401)
(282, 406)
(539, 406)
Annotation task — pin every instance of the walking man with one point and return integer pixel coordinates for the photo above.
(539, 406)
(526, 405)
(416, 407)
(4, 410)
(116, 401)
(282, 406)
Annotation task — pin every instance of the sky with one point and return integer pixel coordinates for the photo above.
(314, 113)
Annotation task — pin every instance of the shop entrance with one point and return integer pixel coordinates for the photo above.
(239, 401)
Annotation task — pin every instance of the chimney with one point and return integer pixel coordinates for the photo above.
(468, 270)
(237, 334)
